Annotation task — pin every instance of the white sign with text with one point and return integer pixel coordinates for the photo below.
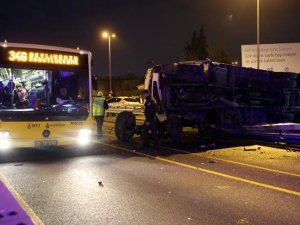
(283, 57)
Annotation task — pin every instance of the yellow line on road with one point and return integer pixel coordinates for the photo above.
(207, 171)
(35, 219)
(234, 162)
(229, 161)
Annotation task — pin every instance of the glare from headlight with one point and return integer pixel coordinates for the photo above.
(4, 140)
(4, 134)
(84, 136)
(85, 132)
(83, 140)
(4, 144)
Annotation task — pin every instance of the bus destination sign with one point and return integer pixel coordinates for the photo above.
(40, 57)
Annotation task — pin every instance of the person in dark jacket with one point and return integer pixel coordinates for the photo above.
(150, 119)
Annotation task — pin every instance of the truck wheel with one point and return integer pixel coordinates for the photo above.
(125, 126)
(175, 130)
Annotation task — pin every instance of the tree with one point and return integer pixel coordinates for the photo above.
(219, 54)
(196, 48)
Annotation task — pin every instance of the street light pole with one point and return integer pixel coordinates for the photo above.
(257, 32)
(109, 36)
(109, 65)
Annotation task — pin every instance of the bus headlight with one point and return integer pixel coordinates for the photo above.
(4, 140)
(84, 136)
(4, 135)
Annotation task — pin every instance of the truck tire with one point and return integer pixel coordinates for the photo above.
(125, 126)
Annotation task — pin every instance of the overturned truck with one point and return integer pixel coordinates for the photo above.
(206, 94)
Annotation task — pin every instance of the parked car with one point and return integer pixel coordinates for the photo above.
(124, 102)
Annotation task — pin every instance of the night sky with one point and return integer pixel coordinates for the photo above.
(146, 29)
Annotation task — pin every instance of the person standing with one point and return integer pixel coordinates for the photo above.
(150, 119)
(25, 91)
(18, 97)
(39, 95)
(99, 107)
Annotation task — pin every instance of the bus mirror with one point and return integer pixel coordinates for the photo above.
(95, 82)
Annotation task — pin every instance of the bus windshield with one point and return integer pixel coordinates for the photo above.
(37, 94)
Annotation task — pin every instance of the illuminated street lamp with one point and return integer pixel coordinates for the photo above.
(108, 36)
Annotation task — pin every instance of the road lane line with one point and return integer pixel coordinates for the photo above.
(234, 162)
(227, 160)
(35, 219)
(206, 170)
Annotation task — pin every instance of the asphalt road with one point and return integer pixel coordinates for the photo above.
(119, 183)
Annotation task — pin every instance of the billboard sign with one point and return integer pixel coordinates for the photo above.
(283, 57)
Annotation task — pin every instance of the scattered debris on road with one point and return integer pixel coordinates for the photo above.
(243, 221)
(249, 149)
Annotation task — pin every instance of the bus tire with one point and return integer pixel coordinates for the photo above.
(125, 126)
